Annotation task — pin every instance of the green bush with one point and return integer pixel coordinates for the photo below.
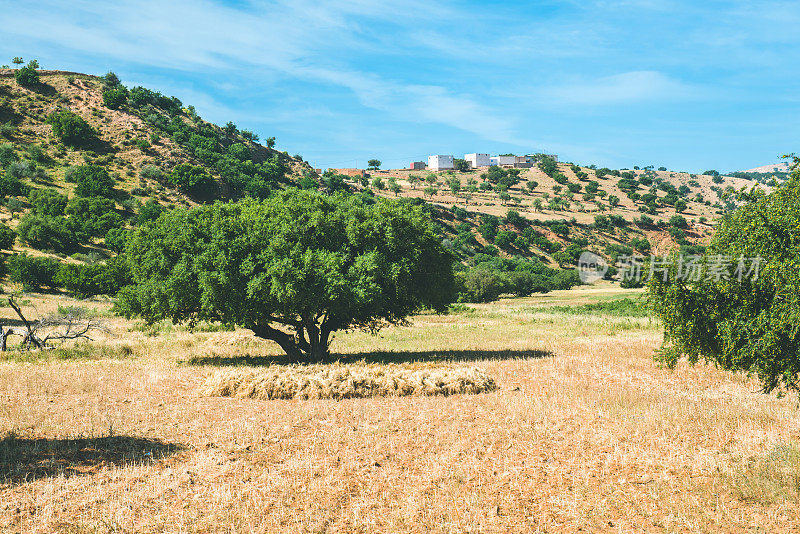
(88, 280)
(47, 202)
(92, 181)
(193, 180)
(149, 211)
(480, 285)
(45, 232)
(115, 97)
(11, 186)
(27, 76)
(33, 272)
(92, 216)
(7, 154)
(7, 237)
(70, 128)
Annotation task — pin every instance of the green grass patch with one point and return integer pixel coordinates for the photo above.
(82, 351)
(625, 307)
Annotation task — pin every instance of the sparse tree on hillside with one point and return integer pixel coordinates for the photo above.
(395, 188)
(270, 142)
(431, 191)
(17, 61)
(70, 128)
(461, 165)
(373, 164)
(413, 180)
(294, 268)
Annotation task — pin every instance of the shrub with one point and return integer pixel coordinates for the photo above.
(504, 239)
(92, 181)
(70, 128)
(46, 232)
(33, 272)
(47, 202)
(193, 180)
(151, 172)
(525, 283)
(480, 285)
(115, 97)
(7, 237)
(115, 239)
(149, 211)
(11, 186)
(7, 154)
(92, 216)
(27, 76)
(88, 280)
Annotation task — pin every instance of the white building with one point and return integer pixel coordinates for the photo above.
(440, 162)
(477, 160)
(505, 160)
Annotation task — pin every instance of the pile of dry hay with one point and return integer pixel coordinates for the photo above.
(346, 382)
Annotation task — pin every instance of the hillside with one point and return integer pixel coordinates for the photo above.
(565, 208)
(129, 137)
(158, 154)
(157, 151)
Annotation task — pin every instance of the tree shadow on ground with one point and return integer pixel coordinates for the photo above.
(26, 459)
(382, 357)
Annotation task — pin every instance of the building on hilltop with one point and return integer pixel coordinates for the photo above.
(440, 162)
(522, 162)
(477, 160)
(417, 166)
(502, 161)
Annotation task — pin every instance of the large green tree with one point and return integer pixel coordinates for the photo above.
(293, 268)
(750, 324)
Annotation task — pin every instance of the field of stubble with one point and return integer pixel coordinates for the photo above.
(585, 433)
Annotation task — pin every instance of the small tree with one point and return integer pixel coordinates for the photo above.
(270, 142)
(461, 165)
(17, 61)
(413, 180)
(373, 164)
(92, 181)
(293, 268)
(395, 188)
(70, 128)
(115, 97)
(27, 76)
(193, 180)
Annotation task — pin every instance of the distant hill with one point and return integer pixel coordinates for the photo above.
(783, 166)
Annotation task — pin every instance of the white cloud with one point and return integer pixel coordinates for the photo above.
(628, 87)
(303, 39)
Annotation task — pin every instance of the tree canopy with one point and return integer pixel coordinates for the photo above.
(752, 324)
(293, 268)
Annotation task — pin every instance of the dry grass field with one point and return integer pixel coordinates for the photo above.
(585, 433)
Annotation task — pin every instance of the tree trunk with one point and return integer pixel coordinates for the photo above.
(309, 344)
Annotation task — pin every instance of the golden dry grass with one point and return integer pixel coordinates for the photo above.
(346, 382)
(585, 433)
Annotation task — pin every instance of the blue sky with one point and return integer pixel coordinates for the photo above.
(686, 84)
